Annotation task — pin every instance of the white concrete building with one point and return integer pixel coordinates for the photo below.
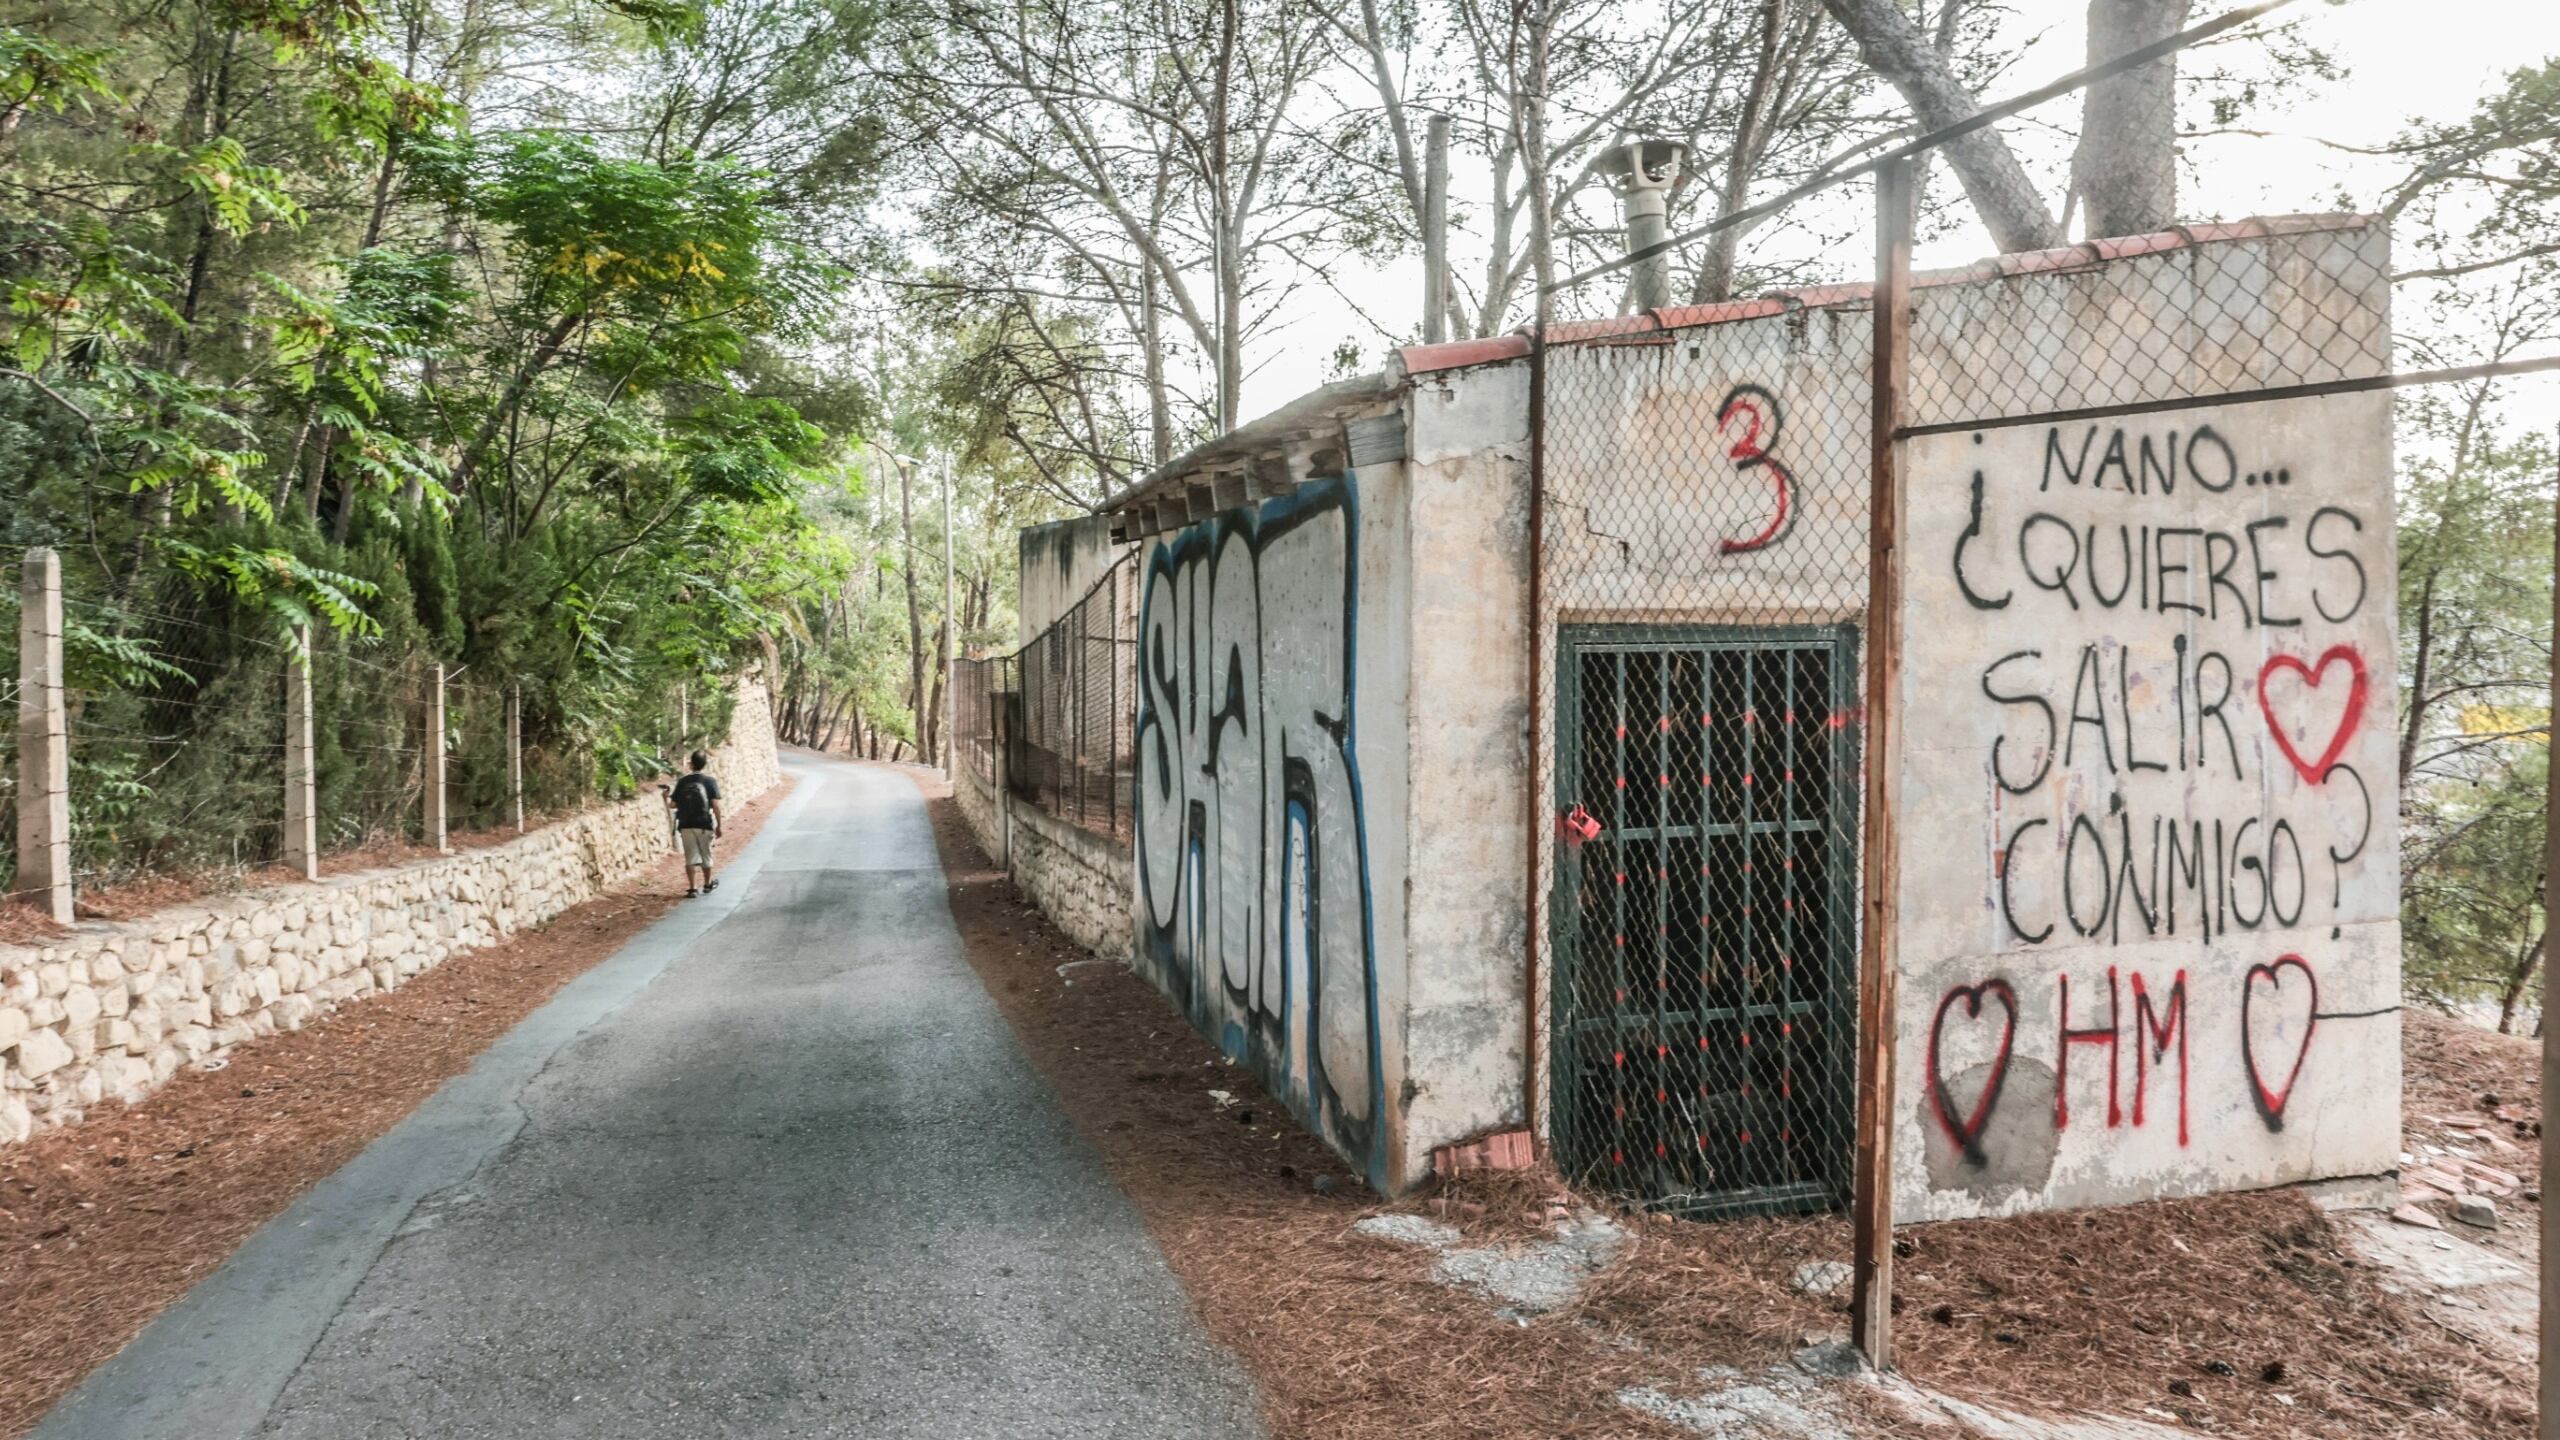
(1436, 828)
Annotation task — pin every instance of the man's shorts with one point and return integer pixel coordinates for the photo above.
(697, 847)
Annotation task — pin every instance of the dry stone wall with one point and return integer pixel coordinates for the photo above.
(112, 1011)
(1082, 881)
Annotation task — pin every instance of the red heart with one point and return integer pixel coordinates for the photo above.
(2271, 1102)
(2346, 655)
(1966, 1131)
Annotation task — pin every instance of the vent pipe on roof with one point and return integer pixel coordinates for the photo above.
(1644, 171)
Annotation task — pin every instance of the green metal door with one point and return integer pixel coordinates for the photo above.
(1704, 1007)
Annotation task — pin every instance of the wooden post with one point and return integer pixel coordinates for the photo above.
(515, 756)
(301, 776)
(435, 811)
(44, 741)
(2550, 1423)
(1435, 233)
(1871, 1303)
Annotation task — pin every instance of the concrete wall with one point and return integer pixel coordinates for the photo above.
(1715, 474)
(112, 1011)
(2152, 942)
(1271, 809)
(1060, 562)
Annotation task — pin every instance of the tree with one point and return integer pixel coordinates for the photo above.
(2124, 170)
(326, 323)
(1904, 57)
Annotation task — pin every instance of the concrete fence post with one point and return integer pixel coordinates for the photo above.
(44, 741)
(515, 756)
(301, 775)
(435, 811)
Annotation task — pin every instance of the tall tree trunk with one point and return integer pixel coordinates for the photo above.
(2513, 994)
(1230, 264)
(1715, 273)
(2126, 166)
(2421, 660)
(1896, 49)
(915, 614)
(1159, 403)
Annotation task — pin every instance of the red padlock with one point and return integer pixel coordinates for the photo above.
(1579, 826)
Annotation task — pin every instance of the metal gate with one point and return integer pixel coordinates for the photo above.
(1705, 915)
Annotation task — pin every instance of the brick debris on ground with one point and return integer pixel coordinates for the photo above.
(105, 1224)
(2237, 1314)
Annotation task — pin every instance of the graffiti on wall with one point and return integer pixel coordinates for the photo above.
(1252, 863)
(1750, 422)
(2163, 699)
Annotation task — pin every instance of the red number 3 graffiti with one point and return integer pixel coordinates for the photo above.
(1758, 410)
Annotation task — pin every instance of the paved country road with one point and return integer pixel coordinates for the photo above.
(777, 1169)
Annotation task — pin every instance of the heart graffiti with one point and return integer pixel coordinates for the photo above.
(2272, 1098)
(1965, 1129)
(2316, 771)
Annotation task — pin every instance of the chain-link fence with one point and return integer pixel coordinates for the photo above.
(479, 788)
(1074, 752)
(176, 743)
(975, 708)
(369, 749)
(1704, 477)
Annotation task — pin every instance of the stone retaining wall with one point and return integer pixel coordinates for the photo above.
(1085, 883)
(112, 1010)
(982, 808)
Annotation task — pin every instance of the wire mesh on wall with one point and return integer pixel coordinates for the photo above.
(476, 782)
(2190, 315)
(176, 743)
(1074, 751)
(1704, 558)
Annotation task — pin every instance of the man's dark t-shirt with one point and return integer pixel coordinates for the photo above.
(693, 795)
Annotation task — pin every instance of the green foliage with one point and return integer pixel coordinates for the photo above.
(303, 362)
(2475, 610)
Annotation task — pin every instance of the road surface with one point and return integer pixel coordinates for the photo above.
(776, 1169)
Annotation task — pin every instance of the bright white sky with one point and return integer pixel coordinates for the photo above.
(2404, 60)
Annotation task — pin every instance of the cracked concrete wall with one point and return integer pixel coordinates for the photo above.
(1466, 1002)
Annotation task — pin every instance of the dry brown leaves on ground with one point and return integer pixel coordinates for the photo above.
(104, 1224)
(2237, 1314)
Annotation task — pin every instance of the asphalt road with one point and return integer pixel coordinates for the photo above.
(777, 1169)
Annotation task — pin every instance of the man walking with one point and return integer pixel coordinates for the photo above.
(696, 803)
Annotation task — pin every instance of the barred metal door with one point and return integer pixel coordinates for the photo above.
(1705, 1001)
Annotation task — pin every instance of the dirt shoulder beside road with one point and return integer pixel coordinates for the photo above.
(104, 1224)
(2236, 1314)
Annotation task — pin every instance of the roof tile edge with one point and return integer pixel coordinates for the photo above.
(2087, 254)
(1460, 354)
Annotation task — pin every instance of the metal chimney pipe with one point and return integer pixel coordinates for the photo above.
(1644, 171)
